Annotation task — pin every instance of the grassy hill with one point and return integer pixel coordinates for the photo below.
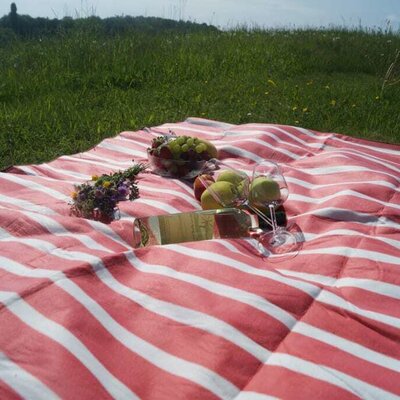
(62, 93)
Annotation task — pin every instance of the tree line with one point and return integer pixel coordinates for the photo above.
(26, 26)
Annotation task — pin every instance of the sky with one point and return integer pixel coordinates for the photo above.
(227, 13)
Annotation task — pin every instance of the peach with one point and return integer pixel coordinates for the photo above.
(199, 187)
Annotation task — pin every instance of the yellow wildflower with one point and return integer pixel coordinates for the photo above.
(296, 122)
(305, 109)
(377, 98)
(106, 184)
(95, 177)
(310, 83)
(353, 105)
(333, 102)
(74, 195)
(271, 82)
(327, 87)
(266, 93)
(294, 108)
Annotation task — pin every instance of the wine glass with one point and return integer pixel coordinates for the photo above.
(268, 190)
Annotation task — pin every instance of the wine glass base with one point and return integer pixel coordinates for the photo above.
(283, 244)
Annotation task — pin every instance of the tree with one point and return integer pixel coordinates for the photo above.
(14, 17)
(13, 9)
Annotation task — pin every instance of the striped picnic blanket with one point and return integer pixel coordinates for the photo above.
(84, 316)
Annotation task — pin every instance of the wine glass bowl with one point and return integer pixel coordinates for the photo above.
(227, 186)
(268, 186)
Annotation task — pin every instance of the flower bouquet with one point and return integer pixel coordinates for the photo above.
(98, 199)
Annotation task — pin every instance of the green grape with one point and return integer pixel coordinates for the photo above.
(190, 142)
(185, 148)
(175, 149)
(200, 148)
(180, 140)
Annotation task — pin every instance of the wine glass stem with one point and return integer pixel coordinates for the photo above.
(274, 225)
(261, 215)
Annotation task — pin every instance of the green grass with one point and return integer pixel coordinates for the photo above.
(64, 94)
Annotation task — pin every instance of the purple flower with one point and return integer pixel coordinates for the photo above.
(123, 190)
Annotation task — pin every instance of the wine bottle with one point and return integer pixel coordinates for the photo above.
(193, 226)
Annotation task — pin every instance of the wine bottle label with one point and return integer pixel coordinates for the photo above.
(186, 227)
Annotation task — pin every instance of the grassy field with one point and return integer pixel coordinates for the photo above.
(61, 95)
